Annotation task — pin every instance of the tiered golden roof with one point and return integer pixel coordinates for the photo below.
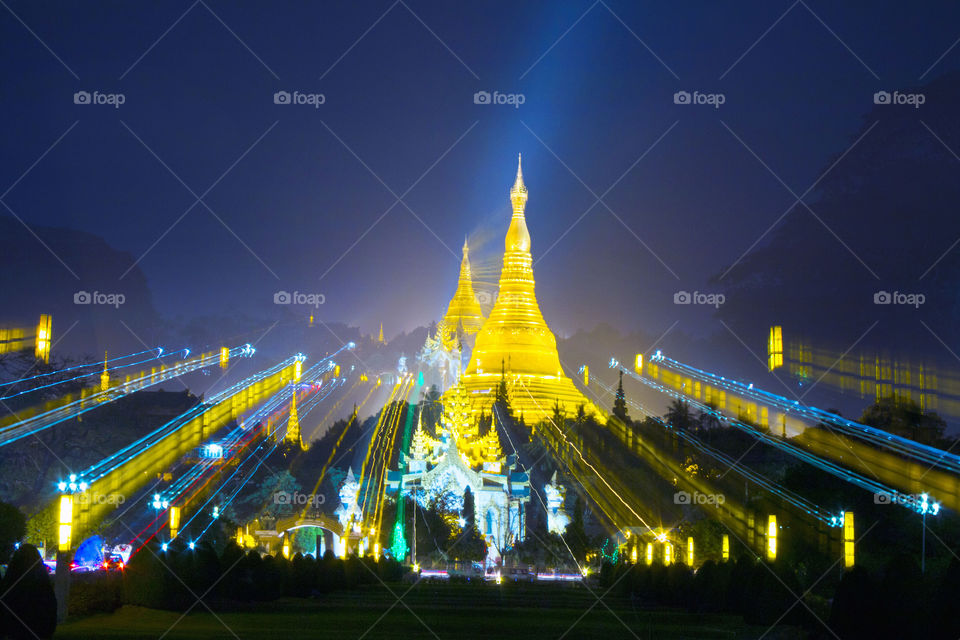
(516, 337)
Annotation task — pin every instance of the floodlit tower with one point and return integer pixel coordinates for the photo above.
(516, 333)
(380, 338)
(105, 376)
(463, 313)
(293, 424)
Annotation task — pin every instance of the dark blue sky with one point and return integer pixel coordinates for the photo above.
(297, 187)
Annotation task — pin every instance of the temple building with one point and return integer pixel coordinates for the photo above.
(516, 340)
(463, 457)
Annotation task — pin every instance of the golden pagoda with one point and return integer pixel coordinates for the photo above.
(516, 338)
(464, 315)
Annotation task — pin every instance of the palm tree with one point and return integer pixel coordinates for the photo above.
(678, 415)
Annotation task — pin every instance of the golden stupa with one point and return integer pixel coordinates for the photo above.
(517, 340)
(464, 316)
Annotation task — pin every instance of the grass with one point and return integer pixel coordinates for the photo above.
(460, 612)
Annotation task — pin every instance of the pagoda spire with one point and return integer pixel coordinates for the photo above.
(516, 332)
(464, 315)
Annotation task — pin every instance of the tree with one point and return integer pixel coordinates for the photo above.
(620, 402)
(470, 545)
(707, 420)
(905, 418)
(29, 606)
(13, 527)
(678, 415)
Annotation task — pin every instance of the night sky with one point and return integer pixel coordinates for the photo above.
(302, 198)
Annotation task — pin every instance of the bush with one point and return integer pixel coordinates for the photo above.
(30, 607)
(100, 592)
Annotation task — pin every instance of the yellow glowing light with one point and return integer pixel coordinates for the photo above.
(64, 538)
(416, 567)
(649, 553)
(848, 539)
(499, 579)
(224, 357)
(376, 551)
(725, 548)
(690, 552)
(516, 337)
(667, 553)
(775, 348)
(586, 376)
(336, 371)
(297, 370)
(638, 363)
(240, 536)
(633, 555)
(105, 376)
(66, 509)
(286, 550)
(772, 537)
(44, 333)
(174, 518)
(66, 522)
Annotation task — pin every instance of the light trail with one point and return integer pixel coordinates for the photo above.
(388, 455)
(111, 462)
(913, 502)
(96, 365)
(373, 438)
(787, 495)
(353, 418)
(584, 460)
(315, 400)
(903, 446)
(53, 417)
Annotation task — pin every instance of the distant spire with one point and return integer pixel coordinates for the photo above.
(380, 339)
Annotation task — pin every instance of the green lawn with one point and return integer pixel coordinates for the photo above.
(459, 612)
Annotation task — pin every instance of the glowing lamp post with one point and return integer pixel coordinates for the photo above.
(772, 537)
(848, 539)
(66, 522)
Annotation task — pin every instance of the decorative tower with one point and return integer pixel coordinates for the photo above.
(463, 313)
(516, 333)
(105, 376)
(293, 424)
(380, 339)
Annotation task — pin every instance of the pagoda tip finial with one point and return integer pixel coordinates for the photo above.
(518, 186)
